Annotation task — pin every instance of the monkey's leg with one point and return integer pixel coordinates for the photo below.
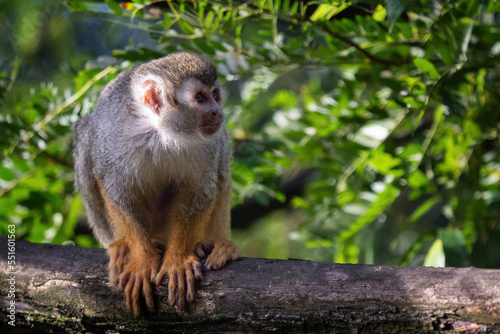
(192, 212)
(215, 241)
(134, 258)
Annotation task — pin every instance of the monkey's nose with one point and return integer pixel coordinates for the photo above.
(210, 121)
(217, 115)
(213, 116)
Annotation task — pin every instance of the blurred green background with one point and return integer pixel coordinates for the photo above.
(363, 131)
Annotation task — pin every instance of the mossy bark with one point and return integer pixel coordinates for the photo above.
(65, 289)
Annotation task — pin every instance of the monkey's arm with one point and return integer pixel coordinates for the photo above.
(134, 259)
(192, 210)
(218, 229)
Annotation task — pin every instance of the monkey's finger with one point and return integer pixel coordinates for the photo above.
(120, 262)
(207, 248)
(121, 254)
(118, 254)
(199, 251)
(172, 285)
(124, 279)
(217, 259)
(197, 270)
(136, 297)
(154, 273)
(203, 250)
(114, 278)
(128, 292)
(190, 279)
(147, 292)
(114, 272)
(236, 254)
(181, 290)
(222, 254)
(160, 276)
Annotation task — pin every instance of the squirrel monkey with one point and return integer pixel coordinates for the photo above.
(153, 164)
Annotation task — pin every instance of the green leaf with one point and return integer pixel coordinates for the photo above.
(422, 209)
(207, 49)
(114, 7)
(394, 11)
(426, 67)
(347, 252)
(384, 199)
(6, 205)
(85, 240)
(77, 6)
(446, 52)
(84, 76)
(435, 256)
(346, 197)
(20, 164)
(295, 8)
(414, 249)
(384, 162)
(186, 27)
(209, 19)
(286, 6)
(6, 174)
(493, 6)
(417, 179)
(417, 123)
(167, 22)
(410, 151)
(283, 98)
(454, 248)
(380, 13)
(324, 12)
(67, 228)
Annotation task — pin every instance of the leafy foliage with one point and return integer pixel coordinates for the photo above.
(392, 105)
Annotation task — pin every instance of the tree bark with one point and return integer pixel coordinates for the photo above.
(65, 289)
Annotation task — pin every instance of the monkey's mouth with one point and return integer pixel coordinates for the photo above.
(210, 128)
(210, 121)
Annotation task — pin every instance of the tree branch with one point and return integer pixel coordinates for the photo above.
(372, 58)
(65, 288)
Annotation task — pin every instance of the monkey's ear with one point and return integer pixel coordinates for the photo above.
(151, 97)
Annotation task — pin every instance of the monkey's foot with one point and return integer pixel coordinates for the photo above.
(182, 271)
(118, 254)
(223, 251)
(203, 249)
(135, 281)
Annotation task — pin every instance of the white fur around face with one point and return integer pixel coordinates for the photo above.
(139, 89)
(150, 131)
(187, 92)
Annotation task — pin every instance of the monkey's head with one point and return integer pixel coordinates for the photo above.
(180, 96)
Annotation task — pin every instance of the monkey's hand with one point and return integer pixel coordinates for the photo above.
(118, 254)
(221, 251)
(182, 271)
(136, 278)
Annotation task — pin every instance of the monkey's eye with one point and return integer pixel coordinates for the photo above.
(200, 98)
(215, 95)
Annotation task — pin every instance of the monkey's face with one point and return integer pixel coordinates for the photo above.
(200, 107)
(181, 111)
